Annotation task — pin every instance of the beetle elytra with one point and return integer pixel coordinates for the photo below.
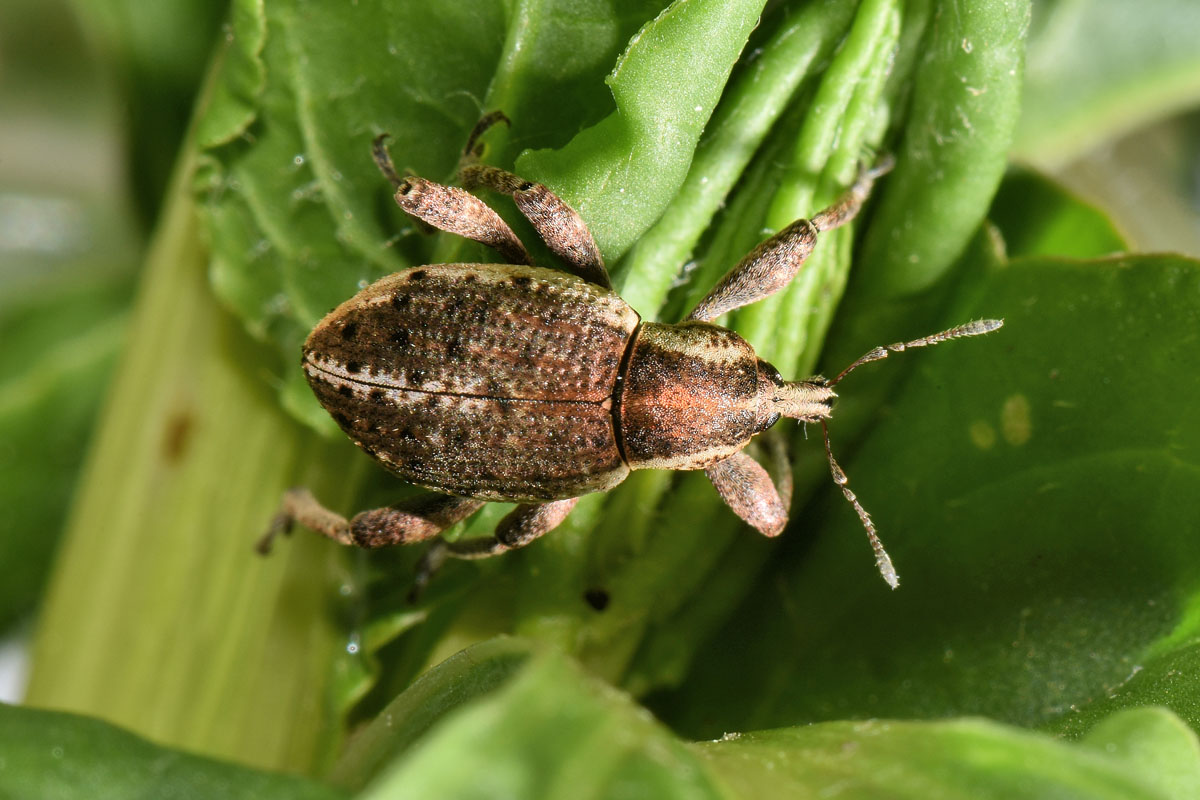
(511, 382)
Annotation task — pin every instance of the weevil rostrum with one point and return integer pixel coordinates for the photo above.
(516, 383)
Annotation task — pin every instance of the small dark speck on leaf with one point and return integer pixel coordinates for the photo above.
(596, 598)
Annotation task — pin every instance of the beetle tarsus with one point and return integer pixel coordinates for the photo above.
(473, 150)
(383, 159)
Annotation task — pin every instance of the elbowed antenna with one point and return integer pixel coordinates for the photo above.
(976, 328)
(882, 560)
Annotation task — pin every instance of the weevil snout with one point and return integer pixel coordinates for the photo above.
(806, 401)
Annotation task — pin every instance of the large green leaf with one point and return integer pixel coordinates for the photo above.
(54, 756)
(1039, 519)
(506, 720)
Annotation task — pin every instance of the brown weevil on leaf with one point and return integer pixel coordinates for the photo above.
(515, 383)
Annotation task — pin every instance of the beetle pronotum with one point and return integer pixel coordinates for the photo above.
(510, 382)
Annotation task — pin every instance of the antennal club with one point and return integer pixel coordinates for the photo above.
(977, 328)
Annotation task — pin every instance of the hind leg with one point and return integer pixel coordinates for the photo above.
(412, 521)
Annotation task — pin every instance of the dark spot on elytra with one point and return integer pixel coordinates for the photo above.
(521, 280)
(597, 598)
(341, 419)
(378, 396)
(345, 391)
(354, 367)
(470, 277)
(399, 337)
(417, 274)
(349, 331)
(400, 301)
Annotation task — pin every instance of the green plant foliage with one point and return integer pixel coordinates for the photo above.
(1050, 569)
(965, 103)
(1099, 68)
(54, 376)
(1035, 488)
(47, 754)
(545, 730)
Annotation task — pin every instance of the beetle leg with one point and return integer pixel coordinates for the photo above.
(772, 265)
(404, 523)
(559, 225)
(450, 209)
(523, 524)
(747, 489)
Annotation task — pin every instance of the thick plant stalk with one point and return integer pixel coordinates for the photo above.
(160, 616)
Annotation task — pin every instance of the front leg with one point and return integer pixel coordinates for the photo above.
(747, 489)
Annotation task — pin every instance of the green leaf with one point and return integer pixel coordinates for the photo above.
(621, 173)
(1157, 743)
(157, 55)
(1040, 524)
(461, 679)
(549, 732)
(505, 719)
(1038, 217)
(1145, 754)
(47, 754)
(953, 152)
(60, 347)
(1100, 68)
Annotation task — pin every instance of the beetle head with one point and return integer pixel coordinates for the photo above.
(807, 401)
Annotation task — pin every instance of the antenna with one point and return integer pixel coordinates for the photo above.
(882, 560)
(977, 328)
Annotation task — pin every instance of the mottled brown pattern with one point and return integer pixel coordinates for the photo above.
(455, 210)
(488, 330)
(489, 448)
(487, 380)
(690, 396)
(767, 269)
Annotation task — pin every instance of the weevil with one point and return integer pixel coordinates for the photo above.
(516, 383)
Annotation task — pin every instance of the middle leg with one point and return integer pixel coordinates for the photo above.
(523, 524)
(747, 488)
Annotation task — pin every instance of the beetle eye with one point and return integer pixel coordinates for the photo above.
(771, 420)
(767, 368)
